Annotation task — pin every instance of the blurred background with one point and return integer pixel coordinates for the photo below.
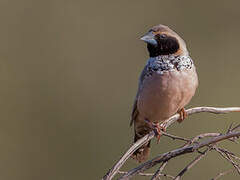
(69, 72)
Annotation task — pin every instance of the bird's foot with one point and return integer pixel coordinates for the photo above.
(183, 115)
(157, 128)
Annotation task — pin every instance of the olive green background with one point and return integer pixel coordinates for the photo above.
(69, 72)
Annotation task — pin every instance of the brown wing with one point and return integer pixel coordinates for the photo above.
(135, 109)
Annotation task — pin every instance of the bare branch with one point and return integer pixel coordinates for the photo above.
(191, 164)
(195, 110)
(149, 174)
(235, 157)
(230, 129)
(234, 129)
(222, 174)
(159, 171)
(225, 151)
(111, 173)
(201, 136)
(141, 174)
(234, 164)
(177, 152)
(228, 158)
(175, 137)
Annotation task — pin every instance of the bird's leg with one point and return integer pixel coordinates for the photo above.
(183, 114)
(157, 128)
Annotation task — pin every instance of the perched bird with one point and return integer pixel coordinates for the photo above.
(166, 85)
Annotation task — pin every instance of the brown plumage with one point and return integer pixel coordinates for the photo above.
(166, 85)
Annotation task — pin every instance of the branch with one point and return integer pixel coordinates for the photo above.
(177, 152)
(191, 164)
(149, 174)
(159, 171)
(229, 153)
(222, 174)
(112, 172)
(175, 137)
(226, 156)
(201, 136)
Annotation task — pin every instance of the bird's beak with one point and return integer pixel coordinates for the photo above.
(149, 38)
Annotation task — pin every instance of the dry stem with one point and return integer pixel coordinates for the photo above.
(159, 171)
(222, 174)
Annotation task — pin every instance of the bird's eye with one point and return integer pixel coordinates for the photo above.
(162, 36)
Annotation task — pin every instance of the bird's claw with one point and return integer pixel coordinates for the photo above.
(157, 128)
(183, 115)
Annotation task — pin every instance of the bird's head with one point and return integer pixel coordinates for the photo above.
(161, 40)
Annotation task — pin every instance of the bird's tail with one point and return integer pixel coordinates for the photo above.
(142, 153)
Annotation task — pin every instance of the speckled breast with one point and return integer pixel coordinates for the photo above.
(168, 86)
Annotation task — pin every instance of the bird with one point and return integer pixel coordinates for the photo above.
(166, 85)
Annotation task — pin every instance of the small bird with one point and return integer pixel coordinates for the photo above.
(166, 85)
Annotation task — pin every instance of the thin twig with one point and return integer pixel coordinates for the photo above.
(228, 152)
(235, 157)
(235, 128)
(140, 174)
(222, 174)
(234, 164)
(228, 158)
(201, 136)
(149, 174)
(191, 164)
(230, 129)
(159, 171)
(175, 137)
(111, 173)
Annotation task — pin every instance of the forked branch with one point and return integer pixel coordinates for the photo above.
(188, 148)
